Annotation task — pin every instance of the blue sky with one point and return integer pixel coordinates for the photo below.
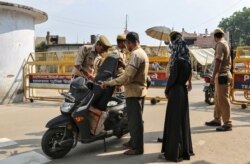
(78, 19)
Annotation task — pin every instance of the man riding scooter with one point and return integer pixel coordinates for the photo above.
(78, 122)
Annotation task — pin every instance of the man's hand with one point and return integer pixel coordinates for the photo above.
(121, 63)
(104, 84)
(189, 87)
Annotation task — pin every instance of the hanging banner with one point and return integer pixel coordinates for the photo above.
(49, 81)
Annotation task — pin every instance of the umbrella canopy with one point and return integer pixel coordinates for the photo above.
(159, 32)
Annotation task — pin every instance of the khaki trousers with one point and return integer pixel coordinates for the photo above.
(222, 107)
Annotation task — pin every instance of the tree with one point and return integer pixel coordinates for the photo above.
(238, 25)
(41, 47)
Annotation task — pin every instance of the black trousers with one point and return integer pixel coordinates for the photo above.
(135, 123)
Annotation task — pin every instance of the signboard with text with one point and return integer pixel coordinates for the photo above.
(49, 81)
(158, 79)
(242, 81)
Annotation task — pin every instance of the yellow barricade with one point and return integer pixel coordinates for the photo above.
(47, 72)
(44, 73)
(158, 77)
(240, 90)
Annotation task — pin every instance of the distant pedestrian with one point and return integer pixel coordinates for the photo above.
(156, 66)
(177, 143)
(222, 78)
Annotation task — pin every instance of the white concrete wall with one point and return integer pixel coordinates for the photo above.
(16, 42)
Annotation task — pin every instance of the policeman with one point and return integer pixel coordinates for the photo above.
(89, 58)
(121, 44)
(134, 79)
(222, 78)
(121, 54)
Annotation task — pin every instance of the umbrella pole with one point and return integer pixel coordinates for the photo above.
(159, 48)
(160, 43)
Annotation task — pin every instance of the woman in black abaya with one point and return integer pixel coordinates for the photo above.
(177, 143)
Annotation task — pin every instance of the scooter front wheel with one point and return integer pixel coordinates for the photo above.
(51, 142)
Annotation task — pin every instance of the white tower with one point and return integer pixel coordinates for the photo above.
(17, 39)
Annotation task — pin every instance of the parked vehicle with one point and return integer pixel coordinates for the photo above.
(208, 89)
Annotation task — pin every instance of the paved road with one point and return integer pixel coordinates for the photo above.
(22, 126)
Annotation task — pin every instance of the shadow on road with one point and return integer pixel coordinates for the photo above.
(202, 129)
(35, 133)
(94, 152)
(22, 145)
(25, 143)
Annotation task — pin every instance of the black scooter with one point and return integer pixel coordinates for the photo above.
(73, 125)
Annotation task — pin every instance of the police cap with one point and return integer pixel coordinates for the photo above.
(121, 37)
(218, 30)
(104, 41)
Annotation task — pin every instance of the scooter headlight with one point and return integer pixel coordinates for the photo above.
(66, 107)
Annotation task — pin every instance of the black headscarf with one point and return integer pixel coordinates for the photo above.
(179, 51)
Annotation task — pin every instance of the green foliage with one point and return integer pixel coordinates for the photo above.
(239, 27)
(41, 47)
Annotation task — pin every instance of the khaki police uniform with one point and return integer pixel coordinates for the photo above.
(135, 75)
(122, 53)
(97, 63)
(222, 91)
(85, 58)
(88, 60)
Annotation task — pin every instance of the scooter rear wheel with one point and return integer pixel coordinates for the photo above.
(50, 143)
(209, 99)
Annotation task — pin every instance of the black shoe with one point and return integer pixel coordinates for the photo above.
(160, 140)
(224, 128)
(213, 123)
(128, 145)
(133, 152)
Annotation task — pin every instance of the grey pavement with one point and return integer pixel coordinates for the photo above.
(22, 126)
